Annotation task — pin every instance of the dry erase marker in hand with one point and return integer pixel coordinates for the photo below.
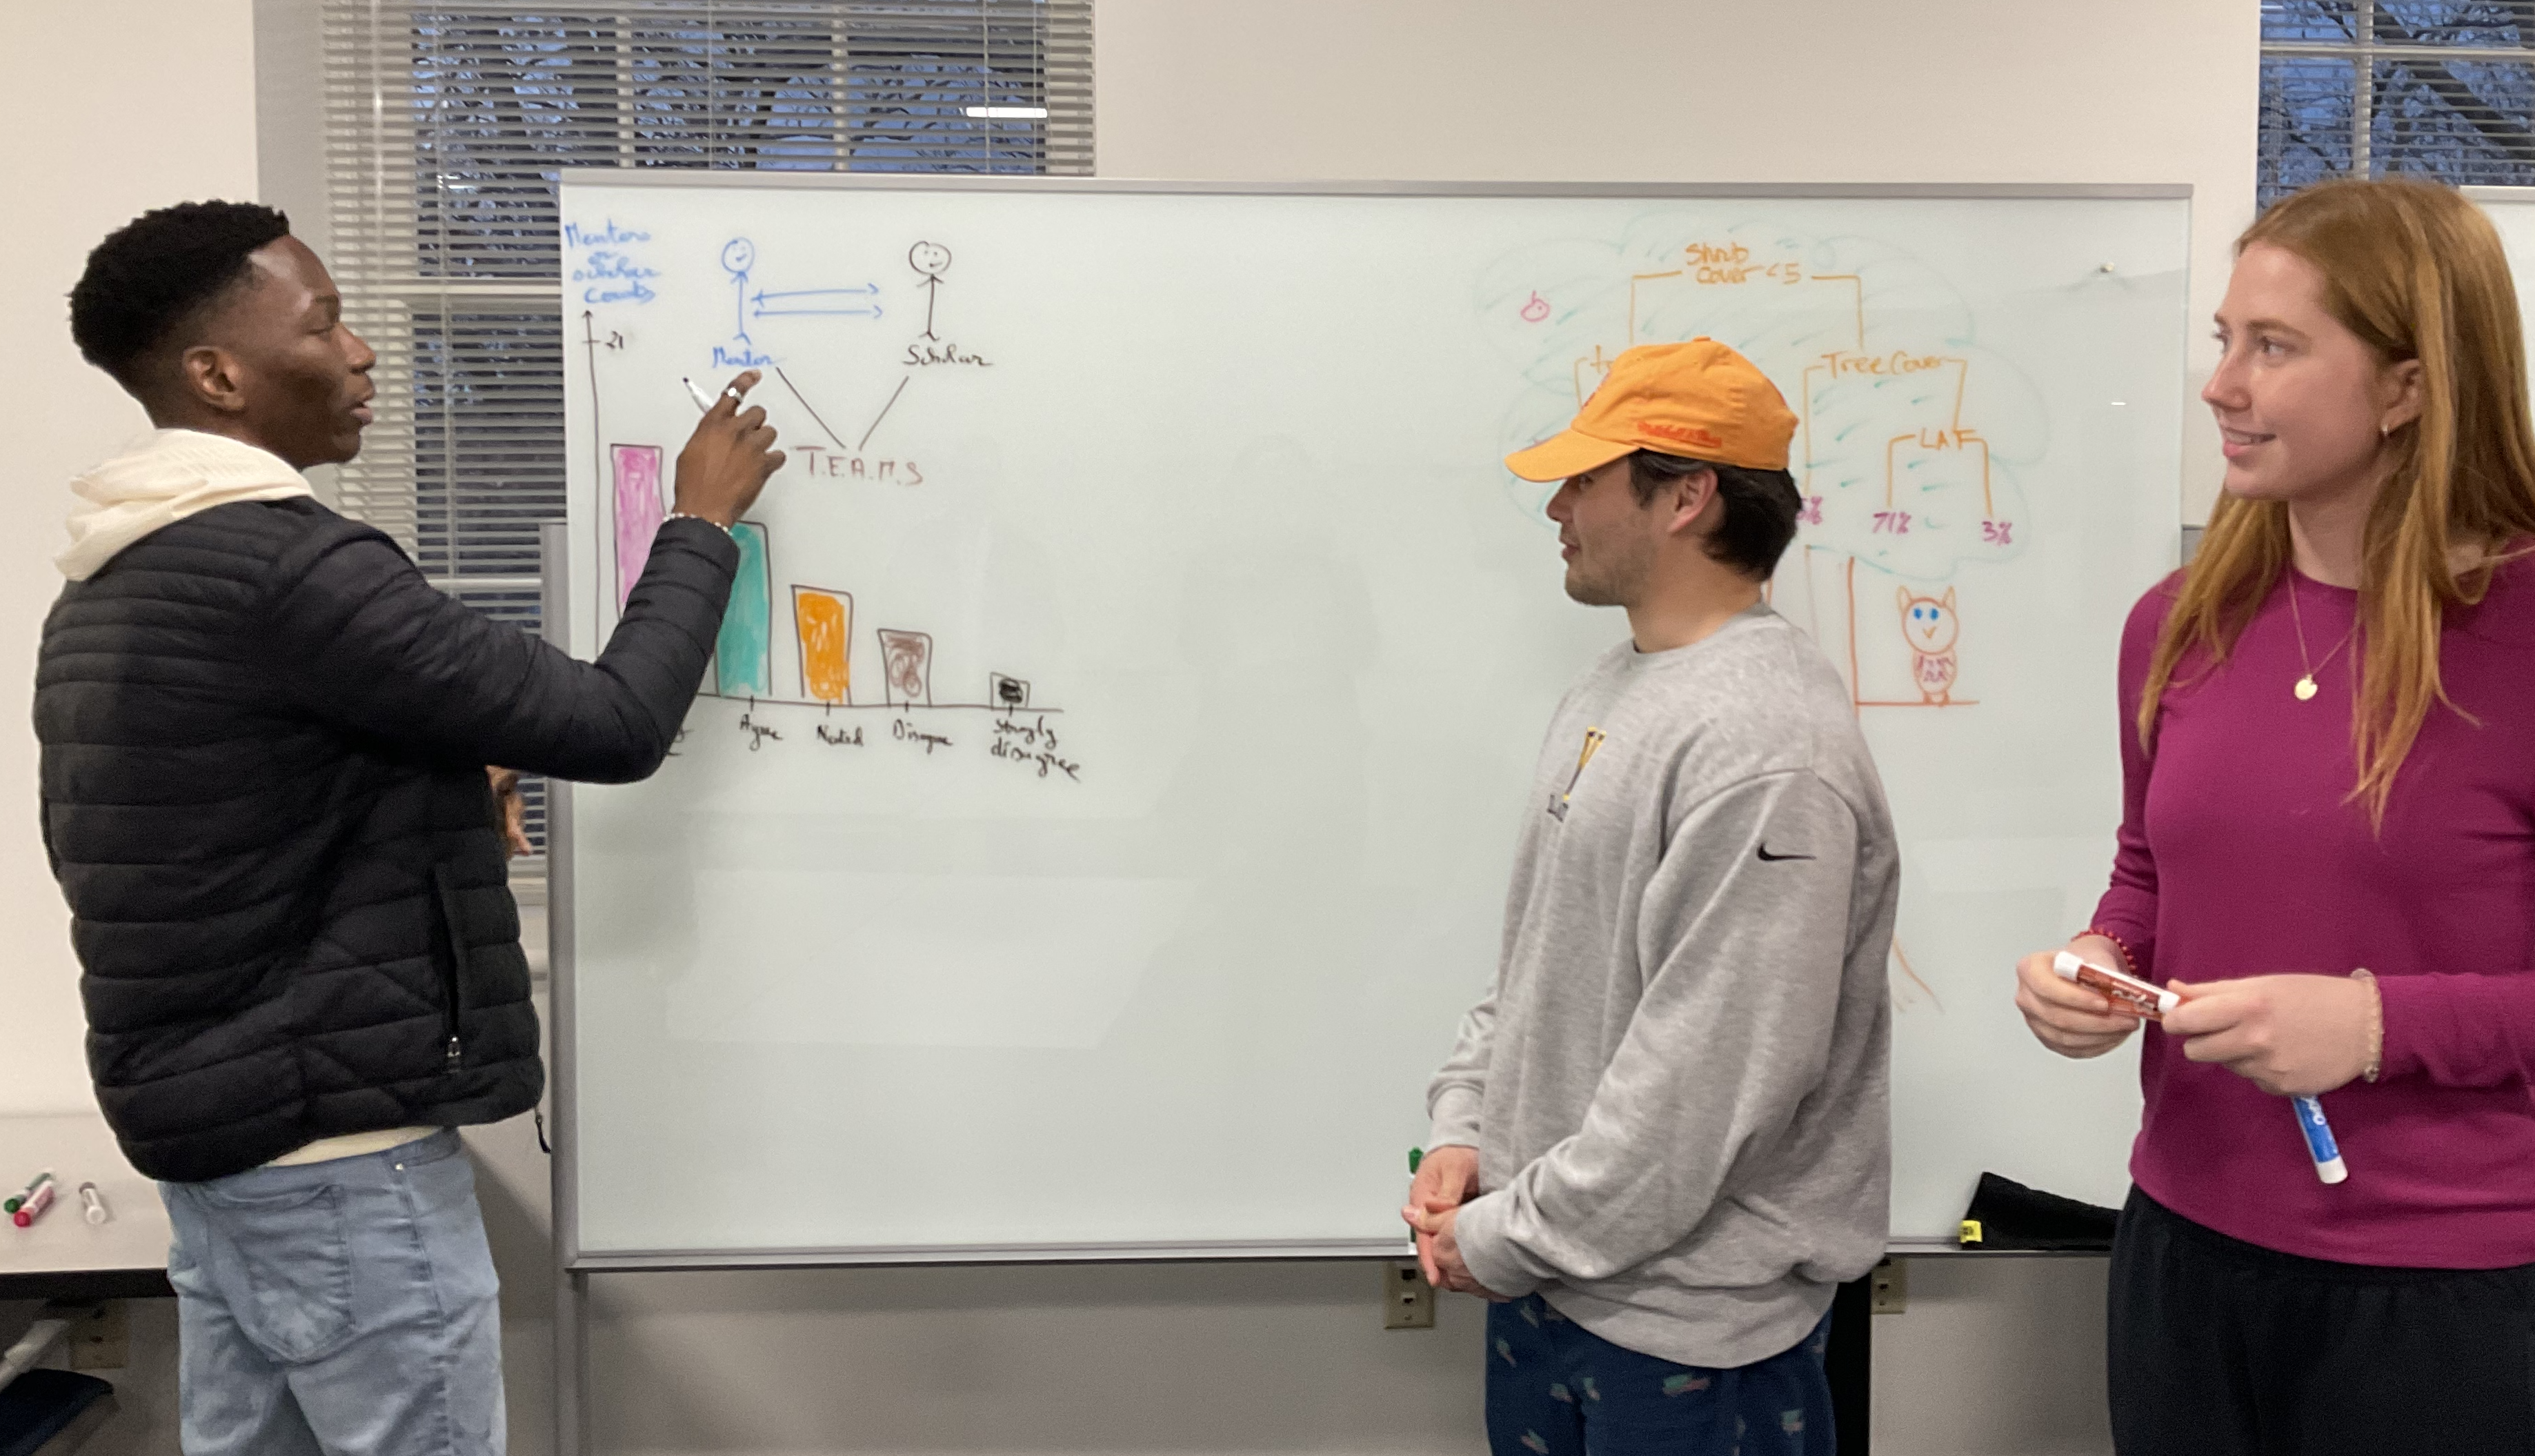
(703, 401)
(2128, 991)
(2319, 1141)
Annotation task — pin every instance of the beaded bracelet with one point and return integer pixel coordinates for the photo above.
(2130, 962)
(690, 516)
(2375, 1023)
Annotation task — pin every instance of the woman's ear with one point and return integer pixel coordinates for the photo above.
(2401, 393)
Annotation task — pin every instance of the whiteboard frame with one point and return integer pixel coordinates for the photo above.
(670, 177)
(573, 1264)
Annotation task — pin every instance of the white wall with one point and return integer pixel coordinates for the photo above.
(174, 120)
(1999, 1357)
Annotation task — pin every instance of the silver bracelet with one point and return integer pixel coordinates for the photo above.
(689, 516)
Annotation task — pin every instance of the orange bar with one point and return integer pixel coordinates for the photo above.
(824, 620)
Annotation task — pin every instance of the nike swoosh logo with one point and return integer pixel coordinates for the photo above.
(1776, 858)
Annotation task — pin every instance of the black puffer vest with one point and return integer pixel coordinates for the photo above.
(264, 746)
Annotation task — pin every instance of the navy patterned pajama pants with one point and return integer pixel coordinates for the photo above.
(1557, 1389)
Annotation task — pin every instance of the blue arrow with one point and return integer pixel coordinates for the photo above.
(872, 312)
(814, 297)
(762, 295)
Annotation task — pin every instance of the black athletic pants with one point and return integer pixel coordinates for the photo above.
(2219, 1346)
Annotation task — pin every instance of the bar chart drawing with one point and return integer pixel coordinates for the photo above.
(906, 667)
(821, 624)
(810, 625)
(824, 621)
(743, 665)
(639, 512)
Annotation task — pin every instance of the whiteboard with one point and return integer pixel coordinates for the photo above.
(1100, 808)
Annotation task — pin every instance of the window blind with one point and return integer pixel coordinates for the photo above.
(2442, 89)
(446, 124)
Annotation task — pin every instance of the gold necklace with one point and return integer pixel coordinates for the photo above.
(2306, 688)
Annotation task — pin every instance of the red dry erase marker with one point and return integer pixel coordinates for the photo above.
(2128, 991)
(10, 1204)
(36, 1204)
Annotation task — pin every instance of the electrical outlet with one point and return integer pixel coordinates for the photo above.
(100, 1338)
(1407, 1300)
(1890, 1288)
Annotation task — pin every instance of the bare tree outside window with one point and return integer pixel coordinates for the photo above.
(2442, 89)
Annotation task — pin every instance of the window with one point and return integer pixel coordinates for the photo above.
(445, 125)
(2443, 89)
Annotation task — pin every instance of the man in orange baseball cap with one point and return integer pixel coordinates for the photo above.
(1662, 1140)
(1698, 398)
(1696, 417)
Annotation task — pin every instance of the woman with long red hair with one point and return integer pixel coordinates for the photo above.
(2327, 848)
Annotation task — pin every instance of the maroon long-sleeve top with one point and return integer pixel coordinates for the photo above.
(2242, 853)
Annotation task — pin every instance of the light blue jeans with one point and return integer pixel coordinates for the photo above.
(344, 1308)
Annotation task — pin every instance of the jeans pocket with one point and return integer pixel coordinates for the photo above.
(291, 1259)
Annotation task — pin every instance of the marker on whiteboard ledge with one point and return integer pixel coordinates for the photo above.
(2128, 990)
(19, 1198)
(37, 1202)
(2320, 1145)
(93, 1204)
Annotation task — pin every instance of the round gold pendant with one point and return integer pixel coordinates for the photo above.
(2305, 687)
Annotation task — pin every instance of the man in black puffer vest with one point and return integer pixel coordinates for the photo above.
(265, 795)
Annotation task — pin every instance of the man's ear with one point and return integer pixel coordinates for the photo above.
(211, 376)
(1693, 498)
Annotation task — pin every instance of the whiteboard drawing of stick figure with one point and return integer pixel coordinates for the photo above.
(932, 260)
(738, 256)
(1931, 627)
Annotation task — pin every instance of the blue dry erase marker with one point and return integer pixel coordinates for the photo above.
(2319, 1141)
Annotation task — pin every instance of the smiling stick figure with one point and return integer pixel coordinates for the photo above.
(932, 260)
(738, 256)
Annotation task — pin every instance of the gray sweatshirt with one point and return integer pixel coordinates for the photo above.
(1677, 1086)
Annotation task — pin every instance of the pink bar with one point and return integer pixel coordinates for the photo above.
(638, 512)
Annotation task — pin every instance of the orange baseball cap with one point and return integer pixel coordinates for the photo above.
(1699, 399)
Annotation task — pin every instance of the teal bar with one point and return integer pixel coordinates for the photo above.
(743, 655)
